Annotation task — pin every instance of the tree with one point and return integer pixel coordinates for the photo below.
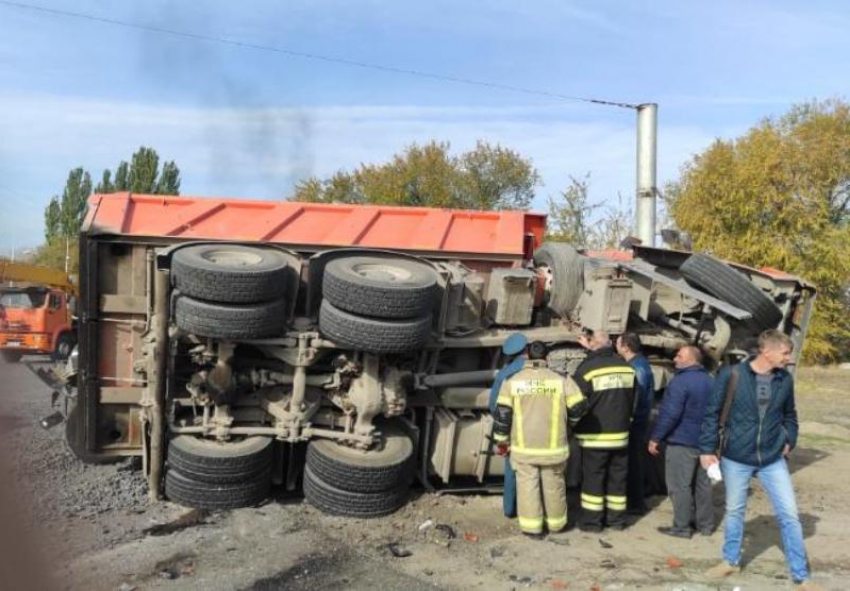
(572, 219)
(779, 196)
(487, 177)
(105, 185)
(122, 173)
(169, 180)
(142, 175)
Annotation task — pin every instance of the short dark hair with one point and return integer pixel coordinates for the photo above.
(632, 341)
(537, 350)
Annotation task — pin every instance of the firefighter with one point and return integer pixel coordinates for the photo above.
(511, 349)
(608, 384)
(531, 422)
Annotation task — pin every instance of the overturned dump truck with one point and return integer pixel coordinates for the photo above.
(238, 345)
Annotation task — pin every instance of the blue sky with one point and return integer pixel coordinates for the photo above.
(241, 122)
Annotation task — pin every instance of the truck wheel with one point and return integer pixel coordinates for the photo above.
(387, 467)
(380, 287)
(336, 501)
(214, 462)
(723, 282)
(190, 492)
(64, 345)
(11, 356)
(370, 334)
(229, 273)
(567, 268)
(231, 321)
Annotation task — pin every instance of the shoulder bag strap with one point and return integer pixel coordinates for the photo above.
(730, 396)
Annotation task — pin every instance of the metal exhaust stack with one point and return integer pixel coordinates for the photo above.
(647, 144)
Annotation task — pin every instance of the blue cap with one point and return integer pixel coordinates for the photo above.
(515, 344)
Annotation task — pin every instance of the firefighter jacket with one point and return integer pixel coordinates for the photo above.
(608, 383)
(532, 410)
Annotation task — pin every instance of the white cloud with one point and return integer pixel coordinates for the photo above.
(260, 153)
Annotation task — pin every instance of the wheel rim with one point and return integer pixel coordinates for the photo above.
(384, 273)
(232, 258)
(63, 349)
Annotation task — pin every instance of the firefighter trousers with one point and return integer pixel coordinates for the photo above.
(603, 486)
(541, 496)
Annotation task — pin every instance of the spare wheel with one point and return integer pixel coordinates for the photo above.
(380, 287)
(723, 282)
(565, 267)
(229, 273)
(387, 466)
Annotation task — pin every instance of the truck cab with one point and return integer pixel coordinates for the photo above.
(35, 320)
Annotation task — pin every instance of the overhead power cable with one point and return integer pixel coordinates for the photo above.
(314, 56)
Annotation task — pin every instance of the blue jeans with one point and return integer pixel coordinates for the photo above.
(776, 481)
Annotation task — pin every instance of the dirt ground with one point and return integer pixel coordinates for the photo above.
(71, 526)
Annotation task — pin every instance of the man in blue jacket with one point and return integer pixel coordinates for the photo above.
(678, 424)
(629, 348)
(511, 349)
(760, 433)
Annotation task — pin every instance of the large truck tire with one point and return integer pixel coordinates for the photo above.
(10, 356)
(388, 467)
(229, 273)
(64, 345)
(189, 492)
(214, 462)
(723, 282)
(380, 287)
(373, 335)
(335, 501)
(231, 321)
(567, 268)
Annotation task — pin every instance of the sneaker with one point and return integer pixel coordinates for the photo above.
(676, 533)
(808, 585)
(722, 570)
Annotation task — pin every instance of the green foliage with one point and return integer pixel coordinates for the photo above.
(64, 215)
(571, 218)
(487, 177)
(779, 196)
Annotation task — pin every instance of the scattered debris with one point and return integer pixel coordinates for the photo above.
(167, 574)
(608, 563)
(673, 562)
(473, 538)
(558, 584)
(521, 580)
(497, 552)
(426, 524)
(447, 530)
(398, 550)
(127, 587)
(605, 544)
(559, 541)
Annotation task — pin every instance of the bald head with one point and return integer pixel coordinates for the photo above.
(688, 356)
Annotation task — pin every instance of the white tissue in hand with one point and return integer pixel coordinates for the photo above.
(714, 473)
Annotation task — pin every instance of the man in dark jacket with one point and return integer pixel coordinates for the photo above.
(608, 384)
(629, 348)
(761, 432)
(678, 424)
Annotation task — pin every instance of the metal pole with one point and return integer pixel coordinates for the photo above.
(647, 143)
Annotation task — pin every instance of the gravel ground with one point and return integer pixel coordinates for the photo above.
(95, 529)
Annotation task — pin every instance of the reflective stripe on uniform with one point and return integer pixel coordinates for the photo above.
(617, 503)
(520, 435)
(592, 502)
(530, 524)
(613, 382)
(556, 523)
(540, 451)
(574, 399)
(592, 444)
(555, 422)
(505, 401)
(605, 371)
(603, 436)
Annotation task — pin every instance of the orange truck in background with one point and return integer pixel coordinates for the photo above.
(36, 315)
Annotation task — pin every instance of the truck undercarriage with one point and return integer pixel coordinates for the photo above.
(350, 368)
